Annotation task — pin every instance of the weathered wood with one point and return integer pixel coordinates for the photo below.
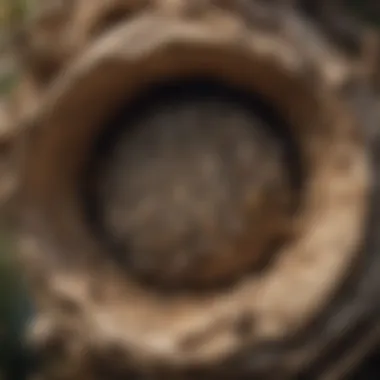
(143, 252)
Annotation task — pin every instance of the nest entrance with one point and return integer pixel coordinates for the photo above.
(193, 184)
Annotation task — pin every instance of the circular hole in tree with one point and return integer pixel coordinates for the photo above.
(194, 184)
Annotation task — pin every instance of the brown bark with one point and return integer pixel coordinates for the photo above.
(228, 240)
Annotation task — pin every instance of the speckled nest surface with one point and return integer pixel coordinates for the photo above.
(311, 310)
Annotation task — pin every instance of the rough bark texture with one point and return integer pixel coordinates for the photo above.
(193, 186)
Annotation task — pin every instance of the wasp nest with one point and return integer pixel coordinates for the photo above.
(194, 188)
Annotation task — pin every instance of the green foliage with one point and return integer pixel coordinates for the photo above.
(15, 311)
(14, 11)
(7, 83)
(10, 286)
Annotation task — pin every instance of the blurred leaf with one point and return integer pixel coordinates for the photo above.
(15, 310)
(7, 83)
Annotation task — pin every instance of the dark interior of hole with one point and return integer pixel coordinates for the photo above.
(173, 93)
